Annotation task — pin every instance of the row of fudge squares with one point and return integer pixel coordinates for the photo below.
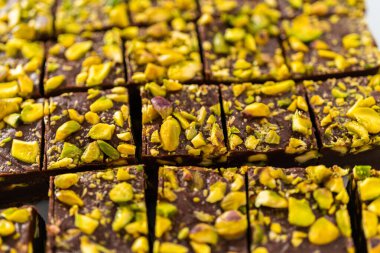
(233, 50)
(204, 210)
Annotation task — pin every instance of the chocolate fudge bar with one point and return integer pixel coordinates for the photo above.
(21, 230)
(346, 114)
(181, 124)
(293, 8)
(244, 46)
(299, 210)
(77, 62)
(102, 210)
(366, 191)
(26, 19)
(164, 50)
(201, 210)
(144, 12)
(75, 16)
(20, 68)
(91, 128)
(321, 47)
(268, 123)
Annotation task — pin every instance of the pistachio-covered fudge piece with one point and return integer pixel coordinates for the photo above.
(292, 8)
(163, 50)
(21, 230)
(200, 210)
(20, 68)
(347, 116)
(89, 128)
(367, 197)
(26, 19)
(20, 135)
(235, 7)
(243, 46)
(77, 62)
(98, 211)
(145, 12)
(299, 210)
(268, 123)
(74, 16)
(319, 47)
(182, 124)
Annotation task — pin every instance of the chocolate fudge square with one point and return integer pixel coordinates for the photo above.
(163, 50)
(22, 230)
(20, 68)
(346, 113)
(181, 124)
(268, 123)
(74, 16)
(102, 210)
(201, 210)
(79, 62)
(321, 47)
(91, 128)
(145, 12)
(299, 210)
(244, 46)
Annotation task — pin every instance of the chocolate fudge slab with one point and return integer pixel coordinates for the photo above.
(291, 8)
(181, 124)
(145, 12)
(79, 62)
(163, 50)
(98, 209)
(268, 123)
(346, 112)
(201, 210)
(22, 230)
(322, 47)
(20, 68)
(243, 47)
(91, 128)
(74, 16)
(299, 210)
(26, 19)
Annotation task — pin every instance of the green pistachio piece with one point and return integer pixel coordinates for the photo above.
(300, 213)
(8, 106)
(9, 89)
(184, 71)
(154, 72)
(74, 115)
(101, 104)
(231, 225)
(162, 225)
(362, 171)
(217, 191)
(368, 188)
(343, 221)
(141, 244)
(86, 224)
(172, 85)
(303, 29)
(91, 153)
(204, 233)
(123, 216)
(324, 198)
(65, 181)
(12, 119)
(19, 215)
(198, 141)
(318, 173)
(101, 131)
(170, 58)
(183, 233)
(97, 73)
(148, 114)
(108, 150)
(121, 193)
(168, 247)
(92, 118)
(323, 232)
(271, 88)
(66, 129)
(27, 152)
(369, 223)
(163, 106)
(296, 3)
(233, 201)
(367, 117)
(78, 50)
(7, 228)
(155, 89)
(70, 151)
(166, 210)
(256, 109)
(374, 206)
(32, 112)
(53, 83)
(220, 46)
(169, 132)
(234, 34)
(351, 40)
(301, 124)
(182, 120)
(69, 197)
(271, 199)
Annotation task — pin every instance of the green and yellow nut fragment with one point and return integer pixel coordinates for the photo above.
(323, 232)
(66, 129)
(101, 131)
(231, 225)
(368, 188)
(257, 110)
(65, 181)
(19, 215)
(300, 213)
(170, 131)
(121, 193)
(123, 216)
(53, 83)
(25, 151)
(7, 228)
(69, 197)
(32, 112)
(271, 199)
(203, 233)
(217, 191)
(78, 50)
(85, 223)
